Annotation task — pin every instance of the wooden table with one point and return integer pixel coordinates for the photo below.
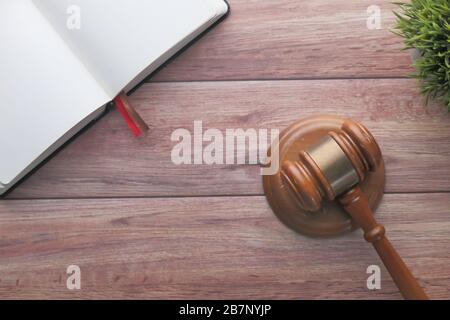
(141, 227)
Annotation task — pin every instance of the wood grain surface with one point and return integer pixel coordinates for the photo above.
(140, 226)
(292, 39)
(212, 247)
(107, 162)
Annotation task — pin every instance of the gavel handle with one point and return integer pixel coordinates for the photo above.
(356, 204)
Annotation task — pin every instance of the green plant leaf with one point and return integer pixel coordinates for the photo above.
(425, 25)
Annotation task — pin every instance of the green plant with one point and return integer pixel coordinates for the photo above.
(425, 26)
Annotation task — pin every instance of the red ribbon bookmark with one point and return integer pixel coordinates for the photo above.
(134, 121)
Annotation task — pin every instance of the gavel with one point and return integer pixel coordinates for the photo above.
(333, 169)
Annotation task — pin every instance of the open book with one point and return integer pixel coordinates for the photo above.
(62, 61)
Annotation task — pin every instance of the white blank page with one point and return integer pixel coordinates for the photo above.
(45, 90)
(119, 39)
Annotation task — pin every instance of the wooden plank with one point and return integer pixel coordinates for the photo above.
(221, 247)
(106, 161)
(292, 39)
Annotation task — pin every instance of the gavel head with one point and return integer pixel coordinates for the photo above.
(332, 166)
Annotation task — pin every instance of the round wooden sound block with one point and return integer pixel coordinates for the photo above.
(330, 220)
